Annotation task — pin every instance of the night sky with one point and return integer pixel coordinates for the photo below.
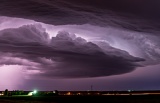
(76, 44)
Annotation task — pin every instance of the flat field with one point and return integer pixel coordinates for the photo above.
(83, 99)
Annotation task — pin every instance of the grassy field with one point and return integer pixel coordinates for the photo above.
(84, 99)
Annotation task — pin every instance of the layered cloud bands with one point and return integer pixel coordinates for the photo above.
(129, 14)
(64, 55)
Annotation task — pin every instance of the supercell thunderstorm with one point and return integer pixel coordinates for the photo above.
(68, 55)
(75, 39)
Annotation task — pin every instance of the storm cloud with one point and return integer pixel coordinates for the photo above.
(142, 16)
(114, 41)
(64, 55)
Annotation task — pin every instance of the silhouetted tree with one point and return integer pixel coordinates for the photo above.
(6, 92)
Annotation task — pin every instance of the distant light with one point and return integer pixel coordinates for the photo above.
(129, 90)
(30, 93)
(69, 93)
(78, 93)
(1, 94)
(35, 91)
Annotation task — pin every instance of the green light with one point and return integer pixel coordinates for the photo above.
(35, 91)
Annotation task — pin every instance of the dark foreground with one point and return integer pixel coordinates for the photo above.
(84, 99)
